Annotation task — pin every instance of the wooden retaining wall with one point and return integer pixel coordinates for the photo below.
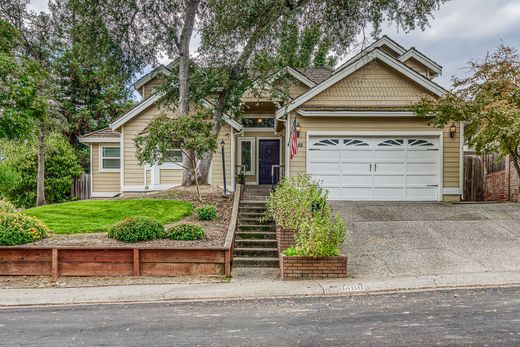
(127, 261)
(112, 261)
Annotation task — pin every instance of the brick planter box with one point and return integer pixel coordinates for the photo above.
(300, 268)
(285, 238)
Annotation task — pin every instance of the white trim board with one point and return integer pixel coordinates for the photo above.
(355, 113)
(98, 139)
(375, 54)
(430, 64)
(104, 194)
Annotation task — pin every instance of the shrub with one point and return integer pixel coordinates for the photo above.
(135, 229)
(207, 212)
(21, 165)
(185, 232)
(17, 229)
(294, 201)
(299, 204)
(6, 206)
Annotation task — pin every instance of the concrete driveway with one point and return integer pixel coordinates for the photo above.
(403, 239)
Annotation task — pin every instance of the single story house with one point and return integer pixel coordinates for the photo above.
(356, 134)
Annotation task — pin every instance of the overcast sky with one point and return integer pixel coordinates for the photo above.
(461, 30)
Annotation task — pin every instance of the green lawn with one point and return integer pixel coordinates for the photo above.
(98, 215)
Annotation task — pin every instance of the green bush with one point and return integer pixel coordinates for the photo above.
(207, 212)
(21, 166)
(6, 206)
(295, 200)
(300, 204)
(185, 232)
(17, 229)
(135, 229)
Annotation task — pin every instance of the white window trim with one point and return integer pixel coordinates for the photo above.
(172, 165)
(101, 169)
(251, 172)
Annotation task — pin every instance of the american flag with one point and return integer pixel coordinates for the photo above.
(294, 140)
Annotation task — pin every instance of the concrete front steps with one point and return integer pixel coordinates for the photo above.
(255, 238)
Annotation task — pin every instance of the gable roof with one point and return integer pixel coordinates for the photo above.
(383, 41)
(161, 69)
(143, 105)
(414, 53)
(356, 65)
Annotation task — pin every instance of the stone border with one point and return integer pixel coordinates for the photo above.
(303, 268)
(130, 261)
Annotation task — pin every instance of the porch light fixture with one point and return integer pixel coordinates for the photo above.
(453, 129)
(259, 121)
(298, 129)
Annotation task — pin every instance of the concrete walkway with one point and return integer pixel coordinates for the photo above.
(248, 288)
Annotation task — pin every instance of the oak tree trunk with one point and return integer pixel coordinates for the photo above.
(184, 73)
(40, 181)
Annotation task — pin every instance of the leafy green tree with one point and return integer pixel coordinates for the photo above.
(189, 133)
(91, 73)
(488, 102)
(21, 160)
(234, 32)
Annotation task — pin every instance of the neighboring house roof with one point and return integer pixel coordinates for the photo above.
(315, 74)
(102, 135)
(356, 65)
(143, 105)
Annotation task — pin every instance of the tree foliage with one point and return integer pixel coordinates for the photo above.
(21, 164)
(191, 134)
(487, 101)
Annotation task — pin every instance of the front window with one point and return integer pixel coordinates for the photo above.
(247, 155)
(110, 158)
(174, 156)
(258, 122)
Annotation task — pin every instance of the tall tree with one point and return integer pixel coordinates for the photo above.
(151, 28)
(234, 32)
(27, 92)
(91, 72)
(488, 102)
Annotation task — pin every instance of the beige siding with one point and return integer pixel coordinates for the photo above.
(169, 176)
(133, 172)
(217, 176)
(108, 182)
(256, 135)
(150, 87)
(376, 85)
(417, 66)
(451, 146)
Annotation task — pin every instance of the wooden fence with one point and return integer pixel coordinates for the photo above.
(473, 178)
(81, 187)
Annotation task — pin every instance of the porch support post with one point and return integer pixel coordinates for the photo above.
(287, 141)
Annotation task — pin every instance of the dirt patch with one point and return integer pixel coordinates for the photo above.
(216, 230)
(7, 282)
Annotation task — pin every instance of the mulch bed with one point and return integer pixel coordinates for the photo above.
(215, 230)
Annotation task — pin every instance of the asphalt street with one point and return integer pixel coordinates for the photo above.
(454, 317)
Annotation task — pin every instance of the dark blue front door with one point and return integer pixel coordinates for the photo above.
(269, 155)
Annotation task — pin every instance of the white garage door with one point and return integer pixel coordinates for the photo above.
(376, 168)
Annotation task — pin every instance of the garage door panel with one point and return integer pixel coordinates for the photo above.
(348, 168)
(354, 193)
(389, 179)
(421, 180)
(325, 167)
(422, 155)
(356, 180)
(419, 193)
(356, 155)
(382, 154)
(389, 193)
(324, 155)
(397, 167)
(427, 168)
